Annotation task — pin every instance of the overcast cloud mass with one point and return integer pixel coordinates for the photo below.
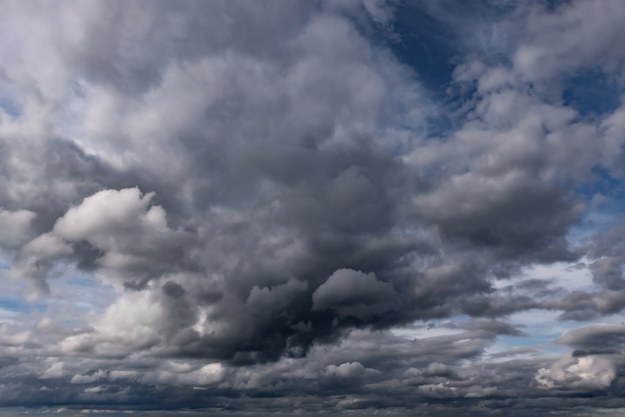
(332, 206)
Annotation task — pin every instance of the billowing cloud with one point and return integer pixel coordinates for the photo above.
(352, 293)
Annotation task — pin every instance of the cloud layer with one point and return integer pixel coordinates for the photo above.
(240, 206)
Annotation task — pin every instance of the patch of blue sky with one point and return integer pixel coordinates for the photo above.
(539, 339)
(571, 276)
(544, 329)
(436, 36)
(597, 220)
(10, 107)
(432, 40)
(20, 305)
(538, 322)
(432, 328)
(591, 93)
(9, 103)
(82, 281)
(73, 110)
(426, 45)
(542, 342)
(80, 294)
(14, 300)
(606, 197)
(604, 183)
(5, 259)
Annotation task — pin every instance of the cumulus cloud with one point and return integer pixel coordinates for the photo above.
(596, 360)
(588, 372)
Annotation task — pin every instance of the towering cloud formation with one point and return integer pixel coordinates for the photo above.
(275, 199)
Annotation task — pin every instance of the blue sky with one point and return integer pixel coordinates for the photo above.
(336, 207)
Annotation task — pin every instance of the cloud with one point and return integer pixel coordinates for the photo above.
(346, 370)
(573, 36)
(587, 372)
(595, 362)
(16, 227)
(128, 325)
(595, 335)
(352, 293)
(242, 206)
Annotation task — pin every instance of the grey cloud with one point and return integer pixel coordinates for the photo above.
(604, 335)
(115, 230)
(605, 248)
(353, 293)
(583, 373)
(494, 326)
(16, 227)
(570, 37)
(596, 362)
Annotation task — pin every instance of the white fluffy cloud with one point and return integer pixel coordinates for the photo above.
(589, 372)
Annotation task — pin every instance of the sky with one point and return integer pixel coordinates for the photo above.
(326, 207)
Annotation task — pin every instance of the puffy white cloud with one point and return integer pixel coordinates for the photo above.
(588, 372)
(130, 324)
(349, 370)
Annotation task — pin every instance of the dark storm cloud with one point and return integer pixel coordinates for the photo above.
(259, 186)
(266, 223)
(352, 293)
